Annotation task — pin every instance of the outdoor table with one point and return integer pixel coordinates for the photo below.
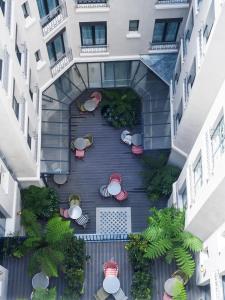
(74, 212)
(114, 188)
(169, 285)
(111, 284)
(136, 139)
(40, 280)
(80, 143)
(60, 178)
(90, 105)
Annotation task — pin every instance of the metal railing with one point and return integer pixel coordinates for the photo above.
(91, 3)
(94, 49)
(172, 2)
(164, 46)
(103, 237)
(54, 18)
(62, 62)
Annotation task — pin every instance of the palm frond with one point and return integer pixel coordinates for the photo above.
(158, 248)
(191, 242)
(57, 230)
(184, 261)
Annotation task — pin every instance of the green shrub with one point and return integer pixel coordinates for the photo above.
(42, 201)
(74, 263)
(120, 107)
(158, 176)
(141, 286)
(44, 294)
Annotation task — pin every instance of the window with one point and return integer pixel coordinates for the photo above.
(1, 69)
(28, 134)
(56, 48)
(16, 107)
(18, 51)
(166, 30)
(198, 174)
(2, 6)
(46, 6)
(37, 55)
(26, 9)
(93, 34)
(218, 140)
(133, 25)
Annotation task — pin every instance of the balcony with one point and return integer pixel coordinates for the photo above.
(167, 4)
(164, 47)
(53, 19)
(62, 62)
(94, 50)
(91, 3)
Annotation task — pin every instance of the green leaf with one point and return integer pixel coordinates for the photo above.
(57, 230)
(191, 242)
(179, 291)
(184, 261)
(158, 248)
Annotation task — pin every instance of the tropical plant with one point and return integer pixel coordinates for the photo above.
(167, 238)
(42, 201)
(158, 176)
(120, 107)
(74, 262)
(46, 243)
(44, 294)
(179, 292)
(141, 286)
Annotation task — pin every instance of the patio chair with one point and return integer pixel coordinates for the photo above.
(104, 191)
(111, 268)
(166, 297)
(80, 107)
(101, 294)
(120, 295)
(123, 195)
(89, 140)
(64, 212)
(111, 272)
(126, 137)
(79, 153)
(74, 200)
(83, 220)
(137, 150)
(96, 95)
(115, 177)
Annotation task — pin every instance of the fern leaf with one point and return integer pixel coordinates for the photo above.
(153, 233)
(191, 242)
(184, 261)
(57, 230)
(179, 291)
(158, 248)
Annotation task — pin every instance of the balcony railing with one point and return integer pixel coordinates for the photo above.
(172, 2)
(61, 63)
(54, 18)
(164, 46)
(91, 3)
(94, 49)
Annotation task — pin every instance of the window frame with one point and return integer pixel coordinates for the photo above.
(51, 41)
(217, 132)
(137, 25)
(165, 31)
(200, 178)
(93, 24)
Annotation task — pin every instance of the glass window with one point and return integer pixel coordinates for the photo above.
(37, 55)
(133, 25)
(198, 175)
(29, 140)
(15, 106)
(45, 6)
(93, 34)
(2, 6)
(56, 48)
(26, 9)
(218, 140)
(165, 30)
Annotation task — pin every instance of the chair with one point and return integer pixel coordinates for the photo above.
(97, 96)
(115, 177)
(74, 200)
(111, 272)
(126, 137)
(120, 295)
(64, 212)
(83, 220)
(79, 154)
(180, 276)
(137, 150)
(101, 294)
(110, 268)
(123, 195)
(104, 191)
(89, 140)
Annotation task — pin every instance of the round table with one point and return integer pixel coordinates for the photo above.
(60, 178)
(74, 212)
(114, 188)
(80, 143)
(136, 139)
(90, 105)
(40, 280)
(111, 284)
(169, 286)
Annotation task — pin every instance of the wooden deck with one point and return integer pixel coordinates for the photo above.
(108, 155)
